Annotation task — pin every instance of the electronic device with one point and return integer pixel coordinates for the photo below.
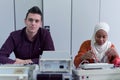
(96, 66)
(96, 74)
(16, 72)
(54, 76)
(55, 61)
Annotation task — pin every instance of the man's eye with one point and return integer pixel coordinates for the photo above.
(36, 21)
(31, 20)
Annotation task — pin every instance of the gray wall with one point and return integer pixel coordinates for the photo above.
(71, 21)
(6, 19)
(58, 17)
(85, 16)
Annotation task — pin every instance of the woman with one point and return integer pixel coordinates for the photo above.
(98, 49)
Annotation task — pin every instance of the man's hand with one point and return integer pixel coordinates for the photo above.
(21, 61)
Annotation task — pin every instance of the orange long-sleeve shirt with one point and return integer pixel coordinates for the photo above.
(85, 47)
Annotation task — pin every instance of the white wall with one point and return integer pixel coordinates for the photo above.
(6, 19)
(57, 15)
(110, 12)
(85, 16)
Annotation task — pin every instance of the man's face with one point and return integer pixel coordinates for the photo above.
(101, 37)
(33, 22)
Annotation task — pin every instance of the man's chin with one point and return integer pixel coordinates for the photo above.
(32, 31)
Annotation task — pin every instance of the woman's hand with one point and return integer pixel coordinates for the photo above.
(88, 55)
(112, 54)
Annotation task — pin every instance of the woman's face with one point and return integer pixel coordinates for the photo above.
(101, 36)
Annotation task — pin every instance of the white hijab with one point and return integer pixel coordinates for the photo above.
(100, 50)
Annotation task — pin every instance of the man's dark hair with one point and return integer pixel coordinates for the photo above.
(34, 10)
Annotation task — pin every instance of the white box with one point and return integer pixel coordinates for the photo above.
(55, 61)
(96, 66)
(96, 74)
(14, 73)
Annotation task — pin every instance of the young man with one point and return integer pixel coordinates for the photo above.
(28, 43)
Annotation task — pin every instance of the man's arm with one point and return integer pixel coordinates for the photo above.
(6, 50)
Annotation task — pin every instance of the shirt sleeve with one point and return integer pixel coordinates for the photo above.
(6, 50)
(35, 60)
(83, 49)
(48, 42)
(114, 56)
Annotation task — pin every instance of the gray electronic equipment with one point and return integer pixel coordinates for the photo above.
(55, 61)
(96, 66)
(16, 72)
(54, 76)
(96, 74)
